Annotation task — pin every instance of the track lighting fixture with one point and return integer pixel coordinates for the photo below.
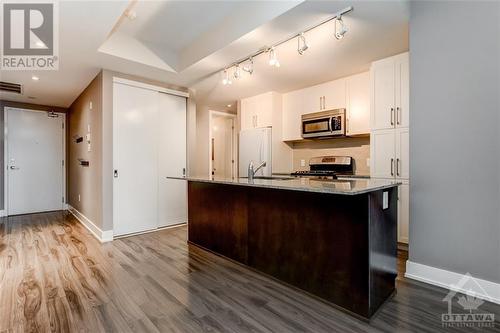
(248, 67)
(237, 72)
(246, 64)
(340, 28)
(226, 80)
(301, 44)
(273, 59)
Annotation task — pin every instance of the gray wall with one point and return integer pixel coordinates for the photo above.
(455, 142)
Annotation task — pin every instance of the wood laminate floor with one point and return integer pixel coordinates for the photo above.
(54, 276)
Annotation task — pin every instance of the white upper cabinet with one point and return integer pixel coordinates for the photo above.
(351, 93)
(358, 104)
(257, 111)
(390, 92)
(333, 93)
(248, 113)
(402, 90)
(293, 108)
(383, 82)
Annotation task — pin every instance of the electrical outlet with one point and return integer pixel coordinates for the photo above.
(79, 198)
(368, 162)
(302, 163)
(89, 148)
(90, 105)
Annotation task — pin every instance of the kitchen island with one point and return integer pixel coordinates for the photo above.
(335, 239)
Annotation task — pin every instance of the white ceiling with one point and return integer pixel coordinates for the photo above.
(185, 43)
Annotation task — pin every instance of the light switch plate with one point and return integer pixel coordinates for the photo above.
(368, 162)
(302, 163)
(385, 200)
(89, 148)
(90, 105)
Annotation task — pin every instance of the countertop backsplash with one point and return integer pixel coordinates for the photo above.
(357, 148)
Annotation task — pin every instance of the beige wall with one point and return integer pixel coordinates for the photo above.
(358, 148)
(86, 181)
(29, 106)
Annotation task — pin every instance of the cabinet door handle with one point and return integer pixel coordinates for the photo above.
(392, 167)
(321, 103)
(392, 116)
(398, 115)
(397, 167)
(324, 102)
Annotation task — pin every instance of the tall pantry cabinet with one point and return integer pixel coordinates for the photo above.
(390, 129)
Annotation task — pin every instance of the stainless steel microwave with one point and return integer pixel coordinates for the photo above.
(323, 124)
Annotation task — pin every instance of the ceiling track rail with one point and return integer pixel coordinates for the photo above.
(265, 49)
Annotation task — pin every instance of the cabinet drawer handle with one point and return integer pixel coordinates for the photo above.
(397, 167)
(392, 116)
(392, 167)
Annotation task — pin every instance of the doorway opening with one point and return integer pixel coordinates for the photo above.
(222, 151)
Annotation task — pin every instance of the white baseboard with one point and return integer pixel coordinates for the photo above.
(102, 236)
(150, 231)
(487, 290)
(3, 213)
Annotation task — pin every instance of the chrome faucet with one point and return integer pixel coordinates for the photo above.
(252, 171)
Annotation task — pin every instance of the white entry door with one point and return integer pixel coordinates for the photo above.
(135, 140)
(35, 154)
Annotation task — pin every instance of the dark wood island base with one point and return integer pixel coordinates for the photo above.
(341, 248)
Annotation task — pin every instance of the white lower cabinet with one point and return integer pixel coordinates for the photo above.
(403, 212)
(389, 156)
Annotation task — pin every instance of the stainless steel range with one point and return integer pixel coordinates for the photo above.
(328, 167)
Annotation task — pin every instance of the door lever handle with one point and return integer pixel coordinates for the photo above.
(12, 167)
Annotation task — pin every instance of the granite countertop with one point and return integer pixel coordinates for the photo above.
(347, 186)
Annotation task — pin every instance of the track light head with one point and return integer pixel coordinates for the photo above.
(273, 59)
(340, 28)
(237, 72)
(226, 80)
(248, 67)
(301, 44)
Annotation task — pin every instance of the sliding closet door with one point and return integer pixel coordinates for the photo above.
(135, 159)
(172, 193)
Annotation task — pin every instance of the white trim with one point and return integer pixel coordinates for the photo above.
(150, 87)
(212, 113)
(151, 230)
(6, 154)
(3, 213)
(487, 290)
(102, 236)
